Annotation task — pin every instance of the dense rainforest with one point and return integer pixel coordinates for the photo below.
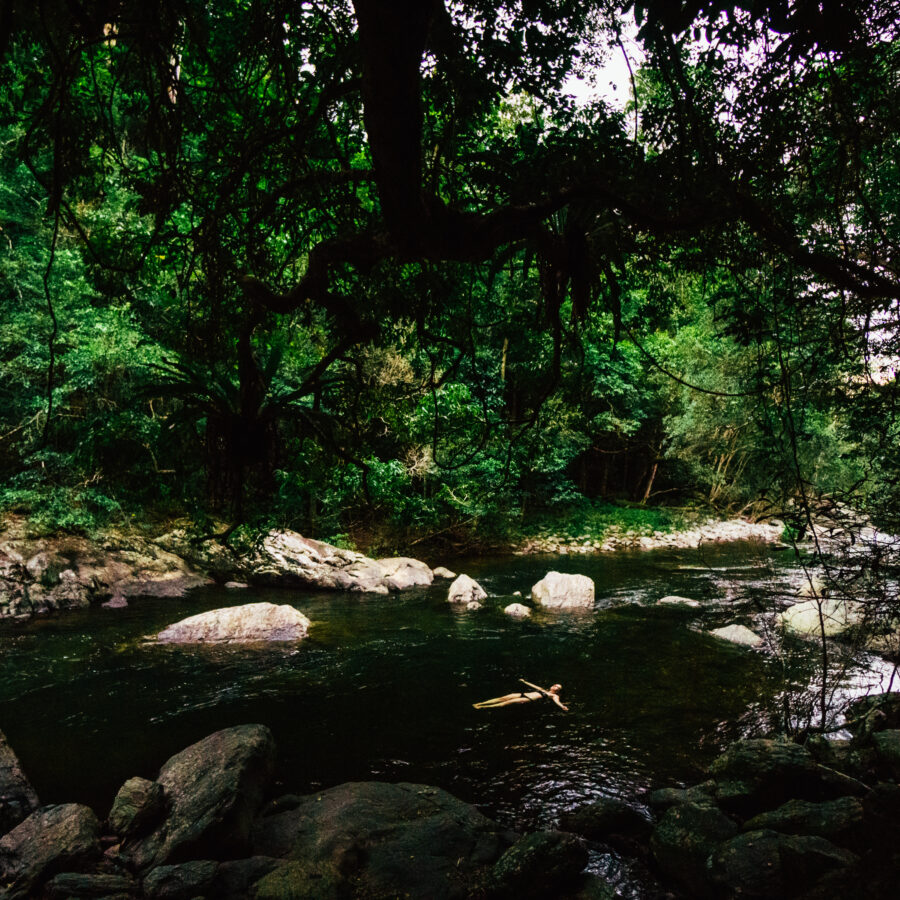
(371, 268)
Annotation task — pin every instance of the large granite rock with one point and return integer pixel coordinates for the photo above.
(560, 591)
(465, 590)
(287, 559)
(372, 839)
(213, 789)
(17, 797)
(767, 864)
(401, 573)
(684, 838)
(837, 616)
(250, 623)
(50, 840)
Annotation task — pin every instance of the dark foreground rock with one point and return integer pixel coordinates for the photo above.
(50, 840)
(202, 829)
(780, 820)
(375, 839)
(213, 790)
(17, 797)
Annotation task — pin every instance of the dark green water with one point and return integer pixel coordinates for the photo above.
(383, 687)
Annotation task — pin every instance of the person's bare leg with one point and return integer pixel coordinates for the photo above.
(502, 701)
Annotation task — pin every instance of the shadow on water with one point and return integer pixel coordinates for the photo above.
(383, 687)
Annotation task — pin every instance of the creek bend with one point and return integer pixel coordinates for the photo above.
(383, 687)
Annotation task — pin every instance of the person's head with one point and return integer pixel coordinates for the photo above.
(555, 689)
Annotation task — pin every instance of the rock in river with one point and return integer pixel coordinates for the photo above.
(517, 610)
(837, 616)
(465, 590)
(287, 559)
(401, 573)
(561, 591)
(675, 600)
(239, 625)
(737, 634)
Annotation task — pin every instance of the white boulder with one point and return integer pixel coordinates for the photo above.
(287, 559)
(562, 591)
(517, 610)
(675, 600)
(465, 590)
(401, 572)
(837, 616)
(246, 624)
(738, 634)
(443, 572)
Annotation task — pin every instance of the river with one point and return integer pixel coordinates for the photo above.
(383, 687)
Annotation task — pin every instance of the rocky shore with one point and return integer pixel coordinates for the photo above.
(207, 826)
(48, 574)
(42, 575)
(774, 820)
(618, 538)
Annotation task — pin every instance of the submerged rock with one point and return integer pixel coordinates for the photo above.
(675, 600)
(443, 572)
(213, 789)
(465, 590)
(50, 839)
(401, 573)
(517, 610)
(738, 634)
(610, 820)
(557, 590)
(239, 625)
(17, 797)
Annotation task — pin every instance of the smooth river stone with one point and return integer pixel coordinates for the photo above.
(239, 625)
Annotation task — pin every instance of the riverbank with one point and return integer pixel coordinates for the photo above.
(688, 536)
(47, 574)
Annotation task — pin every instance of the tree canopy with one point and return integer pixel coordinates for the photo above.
(373, 256)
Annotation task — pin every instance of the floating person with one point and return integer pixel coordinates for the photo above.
(525, 697)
